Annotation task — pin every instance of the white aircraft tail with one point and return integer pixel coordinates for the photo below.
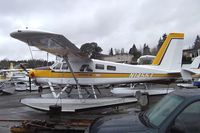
(11, 66)
(187, 73)
(196, 63)
(170, 54)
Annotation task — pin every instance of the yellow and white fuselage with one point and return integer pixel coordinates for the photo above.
(98, 72)
(80, 69)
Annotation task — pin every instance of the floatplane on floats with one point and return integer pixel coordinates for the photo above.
(12, 78)
(79, 70)
(15, 79)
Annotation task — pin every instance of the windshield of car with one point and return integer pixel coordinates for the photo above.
(163, 109)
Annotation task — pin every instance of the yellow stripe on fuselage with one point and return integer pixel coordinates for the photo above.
(50, 74)
(164, 47)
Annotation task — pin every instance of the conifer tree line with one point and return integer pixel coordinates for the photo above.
(5, 64)
(146, 50)
(196, 43)
(94, 51)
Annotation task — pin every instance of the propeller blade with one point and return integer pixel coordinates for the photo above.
(24, 68)
(29, 79)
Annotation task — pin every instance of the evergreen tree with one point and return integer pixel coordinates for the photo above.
(92, 49)
(134, 51)
(5, 64)
(197, 43)
(122, 51)
(146, 50)
(161, 41)
(111, 52)
(154, 51)
(117, 51)
(164, 37)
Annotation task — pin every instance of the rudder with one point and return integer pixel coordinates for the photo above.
(170, 54)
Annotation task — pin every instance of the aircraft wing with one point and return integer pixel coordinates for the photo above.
(52, 43)
(11, 70)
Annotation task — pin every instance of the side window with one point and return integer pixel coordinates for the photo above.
(99, 66)
(112, 68)
(57, 67)
(64, 66)
(188, 121)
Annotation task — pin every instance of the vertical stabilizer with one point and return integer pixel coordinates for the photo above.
(170, 54)
(11, 65)
(195, 63)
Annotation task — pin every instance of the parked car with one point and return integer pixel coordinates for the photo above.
(177, 112)
(196, 83)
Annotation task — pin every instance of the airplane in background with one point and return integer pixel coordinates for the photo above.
(191, 71)
(78, 69)
(9, 78)
(15, 79)
(191, 74)
(13, 74)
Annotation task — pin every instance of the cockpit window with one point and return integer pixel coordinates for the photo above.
(64, 66)
(57, 67)
(85, 68)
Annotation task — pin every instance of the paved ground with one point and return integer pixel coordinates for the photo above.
(12, 111)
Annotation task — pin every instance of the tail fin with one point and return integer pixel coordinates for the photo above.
(11, 66)
(189, 72)
(170, 54)
(195, 63)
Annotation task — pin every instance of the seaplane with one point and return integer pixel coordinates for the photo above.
(10, 78)
(191, 73)
(80, 70)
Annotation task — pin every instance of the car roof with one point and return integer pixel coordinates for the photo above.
(187, 93)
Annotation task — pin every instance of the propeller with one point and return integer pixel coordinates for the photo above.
(28, 74)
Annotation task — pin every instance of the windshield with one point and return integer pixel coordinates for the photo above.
(163, 109)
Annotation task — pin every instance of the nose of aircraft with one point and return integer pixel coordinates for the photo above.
(31, 73)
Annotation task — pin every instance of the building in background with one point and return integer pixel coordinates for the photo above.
(120, 58)
(189, 55)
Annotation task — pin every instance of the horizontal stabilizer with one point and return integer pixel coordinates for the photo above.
(193, 69)
(186, 74)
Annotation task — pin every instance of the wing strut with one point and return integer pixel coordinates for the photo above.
(76, 80)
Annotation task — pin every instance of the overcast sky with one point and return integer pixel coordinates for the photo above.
(110, 23)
